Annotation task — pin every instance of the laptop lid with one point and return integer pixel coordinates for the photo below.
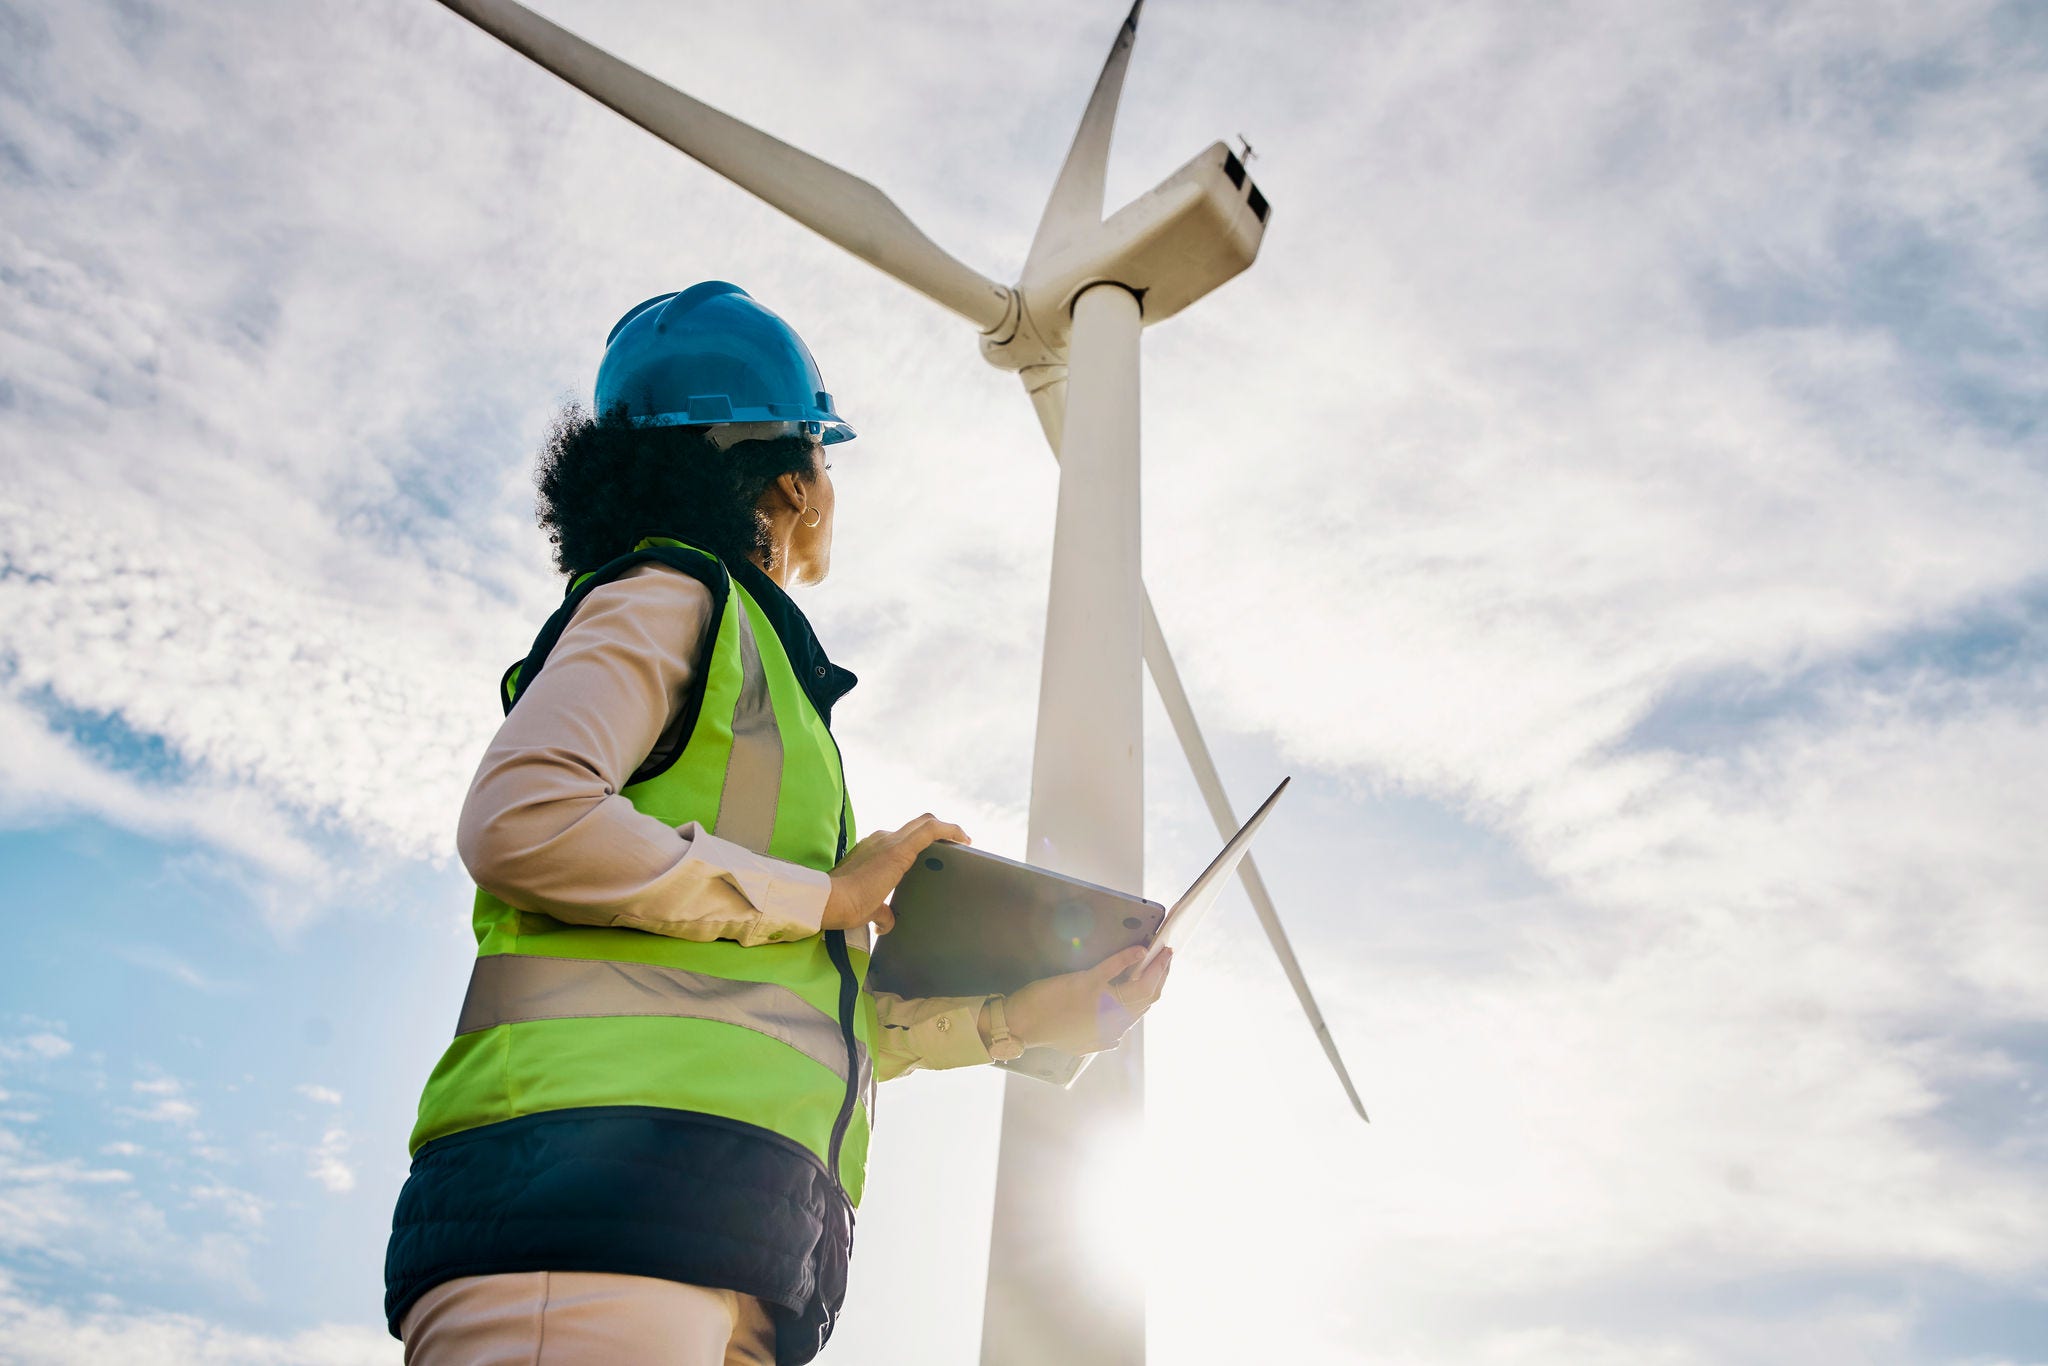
(1194, 903)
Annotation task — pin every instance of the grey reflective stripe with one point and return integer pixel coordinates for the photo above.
(518, 988)
(753, 771)
(867, 1080)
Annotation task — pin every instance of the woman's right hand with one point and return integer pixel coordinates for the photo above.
(1086, 1011)
(871, 869)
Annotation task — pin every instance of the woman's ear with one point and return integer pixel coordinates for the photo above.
(793, 493)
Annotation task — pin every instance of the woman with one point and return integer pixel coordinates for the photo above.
(647, 1139)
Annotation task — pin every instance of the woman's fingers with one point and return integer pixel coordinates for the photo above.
(930, 828)
(1120, 962)
(922, 828)
(885, 918)
(914, 838)
(1137, 992)
(1144, 988)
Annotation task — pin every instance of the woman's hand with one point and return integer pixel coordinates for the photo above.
(1090, 1010)
(872, 868)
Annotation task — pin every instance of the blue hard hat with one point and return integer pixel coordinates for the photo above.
(710, 355)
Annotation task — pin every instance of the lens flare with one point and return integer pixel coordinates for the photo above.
(1109, 1200)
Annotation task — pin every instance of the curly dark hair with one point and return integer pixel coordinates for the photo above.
(605, 484)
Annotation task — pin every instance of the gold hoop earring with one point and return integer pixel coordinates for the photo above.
(814, 518)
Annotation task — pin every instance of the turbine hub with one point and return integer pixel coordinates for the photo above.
(1170, 246)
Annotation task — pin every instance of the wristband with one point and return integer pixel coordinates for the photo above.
(1003, 1046)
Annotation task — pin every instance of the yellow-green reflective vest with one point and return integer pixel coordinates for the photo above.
(779, 1036)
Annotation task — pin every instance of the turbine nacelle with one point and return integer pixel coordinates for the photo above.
(1170, 246)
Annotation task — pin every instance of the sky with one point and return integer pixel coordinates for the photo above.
(1616, 494)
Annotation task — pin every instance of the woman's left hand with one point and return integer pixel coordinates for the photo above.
(1090, 1010)
(873, 867)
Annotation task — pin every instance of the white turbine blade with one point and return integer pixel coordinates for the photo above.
(1167, 679)
(841, 207)
(1047, 385)
(1075, 205)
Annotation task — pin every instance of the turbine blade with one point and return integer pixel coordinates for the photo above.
(841, 207)
(1075, 205)
(1047, 386)
(1167, 679)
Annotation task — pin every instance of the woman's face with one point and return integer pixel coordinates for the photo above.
(810, 547)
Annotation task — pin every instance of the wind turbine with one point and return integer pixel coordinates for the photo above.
(1070, 329)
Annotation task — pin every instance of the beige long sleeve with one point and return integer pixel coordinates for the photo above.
(544, 827)
(926, 1032)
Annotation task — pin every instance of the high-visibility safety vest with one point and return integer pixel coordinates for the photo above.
(778, 1036)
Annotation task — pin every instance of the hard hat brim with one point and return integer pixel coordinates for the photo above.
(763, 426)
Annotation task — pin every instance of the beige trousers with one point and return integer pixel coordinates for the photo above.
(585, 1318)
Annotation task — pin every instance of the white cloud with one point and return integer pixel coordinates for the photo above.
(162, 961)
(46, 776)
(170, 1103)
(85, 1219)
(19, 1166)
(329, 1166)
(171, 1112)
(39, 1333)
(322, 1095)
(44, 1202)
(242, 1208)
(42, 1046)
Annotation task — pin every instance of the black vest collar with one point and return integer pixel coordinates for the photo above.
(824, 682)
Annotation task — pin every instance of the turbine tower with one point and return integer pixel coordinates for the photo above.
(1070, 329)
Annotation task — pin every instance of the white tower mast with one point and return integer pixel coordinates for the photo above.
(1087, 820)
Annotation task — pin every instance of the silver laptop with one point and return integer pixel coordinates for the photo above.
(970, 923)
